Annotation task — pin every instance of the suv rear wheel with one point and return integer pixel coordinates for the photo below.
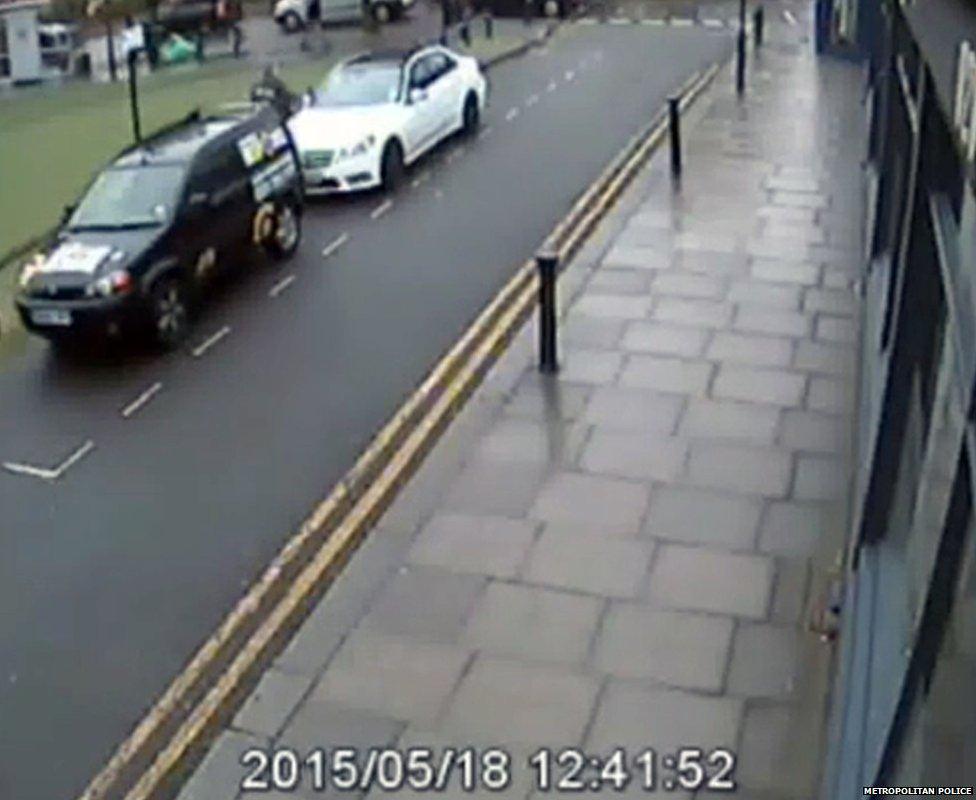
(287, 232)
(170, 313)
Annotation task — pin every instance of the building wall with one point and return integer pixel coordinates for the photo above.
(904, 712)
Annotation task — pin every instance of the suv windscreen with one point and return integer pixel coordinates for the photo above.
(360, 86)
(129, 197)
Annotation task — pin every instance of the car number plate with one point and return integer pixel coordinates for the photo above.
(51, 316)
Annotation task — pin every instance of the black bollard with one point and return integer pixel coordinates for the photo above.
(548, 265)
(489, 25)
(674, 124)
(526, 11)
(466, 34)
(740, 61)
(757, 25)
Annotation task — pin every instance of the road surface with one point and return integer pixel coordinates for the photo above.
(112, 575)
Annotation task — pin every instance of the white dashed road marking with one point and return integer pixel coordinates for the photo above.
(281, 285)
(656, 21)
(531, 100)
(788, 16)
(329, 249)
(205, 345)
(713, 23)
(484, 132)
(33, 472)
(142, 400)
(75, 457)
(512, 114)
(51, 474)
(551, 87)
(569, 75)
(381, 209)
(681, 22)
(422, 178)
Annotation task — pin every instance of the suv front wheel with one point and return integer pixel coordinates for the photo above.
(170, 313)
(286, 232)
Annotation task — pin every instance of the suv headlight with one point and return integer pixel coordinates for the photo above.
(359, 149)
(116, 282)
(30, 269)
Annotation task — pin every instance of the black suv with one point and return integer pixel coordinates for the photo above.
(156, 225)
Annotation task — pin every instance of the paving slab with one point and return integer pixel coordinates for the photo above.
(638, 717)
(680, 649)
(533, 623)
(710, 580)
(607, 506)
(589, 563)
(697, 516)
(392, 676)
(514, 702)
(479, 544)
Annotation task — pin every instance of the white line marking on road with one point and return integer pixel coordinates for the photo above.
(512, 114)
(141, 401)
(438, 194)
(33, 472)
(569, 75)
(552, 86)
(587, 21)
(681, 22)
(75, 457)
(484, 132)
(50, 474)
(531, 100)
(329, 249)
(421, 179)
(788, 16)
(711, 22)
(204, 346)
(619, 21)
(381, 209)
(655, 21)
(281, 285)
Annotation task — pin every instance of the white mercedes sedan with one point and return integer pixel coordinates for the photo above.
(377, 113)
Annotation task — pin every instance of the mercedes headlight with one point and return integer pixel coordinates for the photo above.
(359, 149)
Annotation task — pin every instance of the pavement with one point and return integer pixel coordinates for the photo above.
(626, 554)
(116, 571)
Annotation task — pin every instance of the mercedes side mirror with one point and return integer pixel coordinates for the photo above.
(417, 95)
(67, 212)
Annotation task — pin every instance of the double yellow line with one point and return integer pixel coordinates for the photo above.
(171, 738)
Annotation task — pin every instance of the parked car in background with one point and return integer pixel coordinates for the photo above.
(377, 113)
(193, 16)
(535, 8)
(142, 245)
(295, 15)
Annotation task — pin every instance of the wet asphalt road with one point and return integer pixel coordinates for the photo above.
(112, 576)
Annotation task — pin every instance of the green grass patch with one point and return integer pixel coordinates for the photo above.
(53, 138)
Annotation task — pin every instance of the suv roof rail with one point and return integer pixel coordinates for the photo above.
(169, 127)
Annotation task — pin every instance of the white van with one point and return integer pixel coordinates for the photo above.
(294, 15)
